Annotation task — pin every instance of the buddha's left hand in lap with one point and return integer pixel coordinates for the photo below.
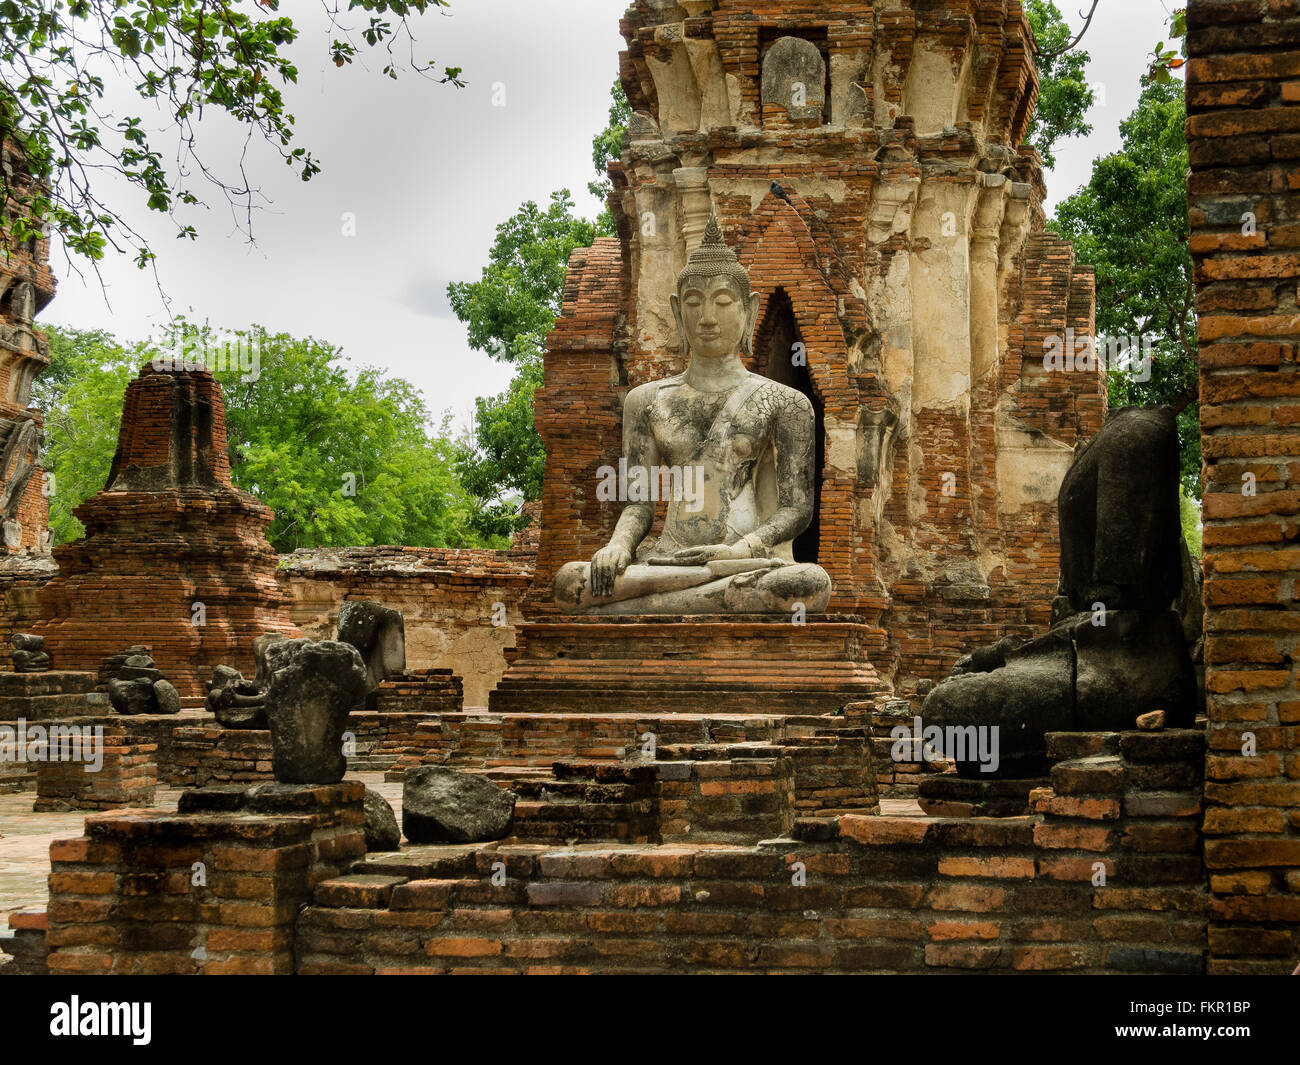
(706, 553)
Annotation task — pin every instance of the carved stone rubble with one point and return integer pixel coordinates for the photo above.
(379, 634)
(312, 688)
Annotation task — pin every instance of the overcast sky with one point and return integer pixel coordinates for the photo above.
(429, 171)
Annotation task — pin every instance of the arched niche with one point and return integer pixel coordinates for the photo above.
(781, 354)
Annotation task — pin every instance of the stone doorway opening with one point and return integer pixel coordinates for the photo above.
(783, 357)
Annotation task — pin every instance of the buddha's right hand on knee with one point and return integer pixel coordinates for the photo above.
(606, 565)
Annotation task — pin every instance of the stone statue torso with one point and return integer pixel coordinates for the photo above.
(727, 437)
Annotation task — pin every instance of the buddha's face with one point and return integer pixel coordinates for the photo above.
(713, 316)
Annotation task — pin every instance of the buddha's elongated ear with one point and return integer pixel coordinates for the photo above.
(675, 302)
(751, 322)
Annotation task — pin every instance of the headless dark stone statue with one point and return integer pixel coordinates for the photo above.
(1116, 648)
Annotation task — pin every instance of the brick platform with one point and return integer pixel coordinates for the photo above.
(212, 889)
(421, 691)
(53, 693)
(719, 777)
(700, 665)
(127, 778)
(1104, 877)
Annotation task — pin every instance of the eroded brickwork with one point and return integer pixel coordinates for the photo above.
(895, 238)
(126, 776)
(460, 608)
(1243, 126)
(1105, 876)
(174, 555)
(207, 890)
(26, 287)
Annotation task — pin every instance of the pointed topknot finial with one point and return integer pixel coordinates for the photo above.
(712, 258)
(713, 232)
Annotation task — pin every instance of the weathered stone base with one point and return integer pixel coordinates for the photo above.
(697, 665)
(1106, 878)
(211, 755)
(212, 889)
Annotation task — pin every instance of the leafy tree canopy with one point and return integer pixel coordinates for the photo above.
(185, 56)
(343, 458)
(1064, 94)
(509, 311)
(1130, 223)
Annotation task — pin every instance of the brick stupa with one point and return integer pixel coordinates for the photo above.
(868, 163)
(168, 532)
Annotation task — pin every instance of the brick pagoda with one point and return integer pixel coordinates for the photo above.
(174, 556)
(868, 163)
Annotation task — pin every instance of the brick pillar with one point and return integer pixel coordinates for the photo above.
(214, 888)
(126, 776)
(1243, 128)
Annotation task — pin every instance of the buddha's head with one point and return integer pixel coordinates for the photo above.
(715, 310)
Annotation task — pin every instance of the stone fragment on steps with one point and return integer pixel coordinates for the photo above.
(1151, 722)
(313, 686)
(441, 805)
(382, 833)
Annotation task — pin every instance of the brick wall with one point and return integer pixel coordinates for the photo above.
(1105, 876)
(1243, 126)
(448, 600)
(126, 778)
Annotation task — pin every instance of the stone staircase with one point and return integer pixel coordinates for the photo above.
(724, 778)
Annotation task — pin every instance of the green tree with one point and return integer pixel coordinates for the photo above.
(514, 304)
(343, 458)
(1130, 223)
(1064, 94)
(509, 311)
(80, 395)
(608, 145)
(186, 56)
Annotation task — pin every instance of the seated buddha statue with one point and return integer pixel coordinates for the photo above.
(746, 447)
